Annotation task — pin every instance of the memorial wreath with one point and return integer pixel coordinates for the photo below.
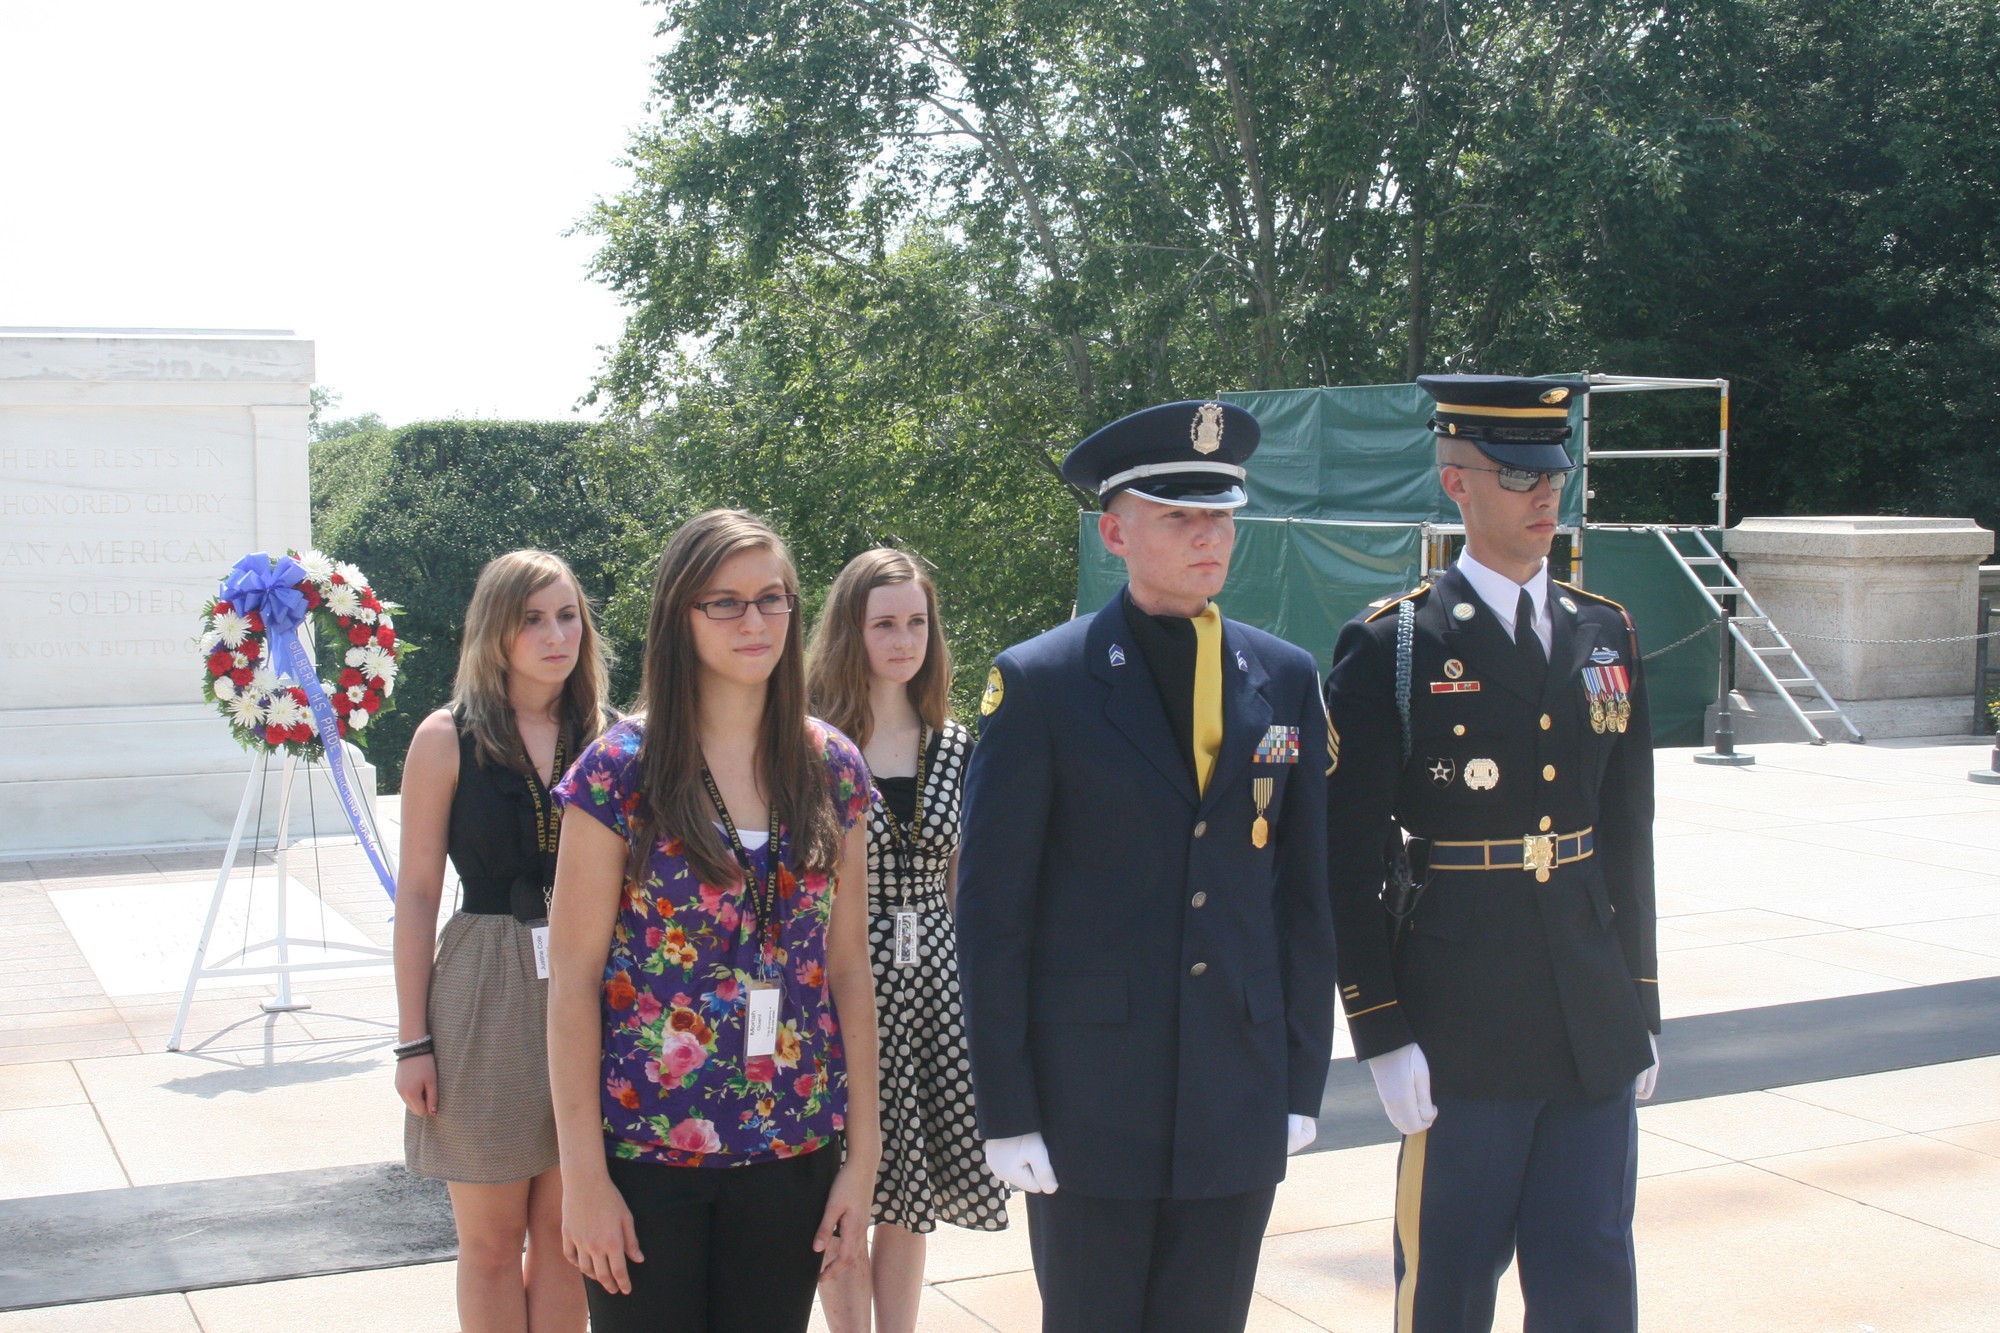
(245, 674)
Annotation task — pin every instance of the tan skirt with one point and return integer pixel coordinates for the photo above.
(489, 1021)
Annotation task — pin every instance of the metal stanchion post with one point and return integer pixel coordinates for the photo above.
(1983, 625)
(1725, 674)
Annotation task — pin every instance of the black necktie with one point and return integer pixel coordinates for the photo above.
(1526, 642)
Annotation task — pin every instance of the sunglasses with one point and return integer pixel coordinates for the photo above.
(1518, 479)
(735, 608)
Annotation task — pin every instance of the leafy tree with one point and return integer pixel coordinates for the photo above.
(422, 508)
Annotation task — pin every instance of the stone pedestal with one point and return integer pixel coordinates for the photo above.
(135, 468)
(1829, 584)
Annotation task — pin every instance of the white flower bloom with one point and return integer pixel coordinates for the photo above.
(210, 642)
(357, 719)
(263, 681)
(245, 711)
(225, 688)
(384, 621)
(356, 693)
(356, 656)
(230, 629)
(350, 574)
(285, 711)
(318, 566)
(343, 600)
(365, 616)
(379, 664)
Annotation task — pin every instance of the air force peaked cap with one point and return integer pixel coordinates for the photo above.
(1513, 420)
(1189, 454)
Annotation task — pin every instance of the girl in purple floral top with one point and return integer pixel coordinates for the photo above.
(710, 999)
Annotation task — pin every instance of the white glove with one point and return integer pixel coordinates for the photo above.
(1403, 1082)
(1023, 1162)
(1642, 1086)
(1300, 1131)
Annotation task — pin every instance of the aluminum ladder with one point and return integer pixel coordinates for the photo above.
(1709, 572)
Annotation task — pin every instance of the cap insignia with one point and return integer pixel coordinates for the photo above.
(1555, 395)
(1206, 431)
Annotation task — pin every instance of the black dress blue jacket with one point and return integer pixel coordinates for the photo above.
(1142, 985)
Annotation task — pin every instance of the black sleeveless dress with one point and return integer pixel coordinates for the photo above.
(488, 1009)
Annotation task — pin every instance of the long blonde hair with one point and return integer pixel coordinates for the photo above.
(498, 610)
(672, 797)
(837, 678)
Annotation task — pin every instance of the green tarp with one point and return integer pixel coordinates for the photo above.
(1361, 454)
(1339, 490)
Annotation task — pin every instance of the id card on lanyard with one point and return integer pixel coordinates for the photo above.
(766, 998)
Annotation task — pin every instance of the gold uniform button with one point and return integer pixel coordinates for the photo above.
(1201, 828)
(1458, 730)
(1546, 821)
(1198, 899)
(1197, 969)
(1546, 724)
(1548, 772)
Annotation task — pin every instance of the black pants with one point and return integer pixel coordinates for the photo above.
(728, 1249)
(1146, 1265)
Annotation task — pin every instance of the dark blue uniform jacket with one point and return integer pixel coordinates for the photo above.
(1142, 985)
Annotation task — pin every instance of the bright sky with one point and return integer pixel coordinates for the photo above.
(391, 180)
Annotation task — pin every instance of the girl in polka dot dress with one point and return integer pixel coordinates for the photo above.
(880, 673)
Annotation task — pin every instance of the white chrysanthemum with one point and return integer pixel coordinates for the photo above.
(263, 681)
(379, 664)
(318, 566)
(357, 719)
(350, 574)
(224, 687)
(285, 711)
(356, 693)
(355, 657)
(245, 711)
(230, 629)
(365, 616)
(343, 600)
(210, 641)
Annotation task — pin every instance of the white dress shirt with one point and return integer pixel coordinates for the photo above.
(1501, 595)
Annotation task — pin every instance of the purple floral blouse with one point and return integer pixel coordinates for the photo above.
(677, 1087)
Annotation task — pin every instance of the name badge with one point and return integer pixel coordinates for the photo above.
(540, 935)
(760, 1019)
(909, 932)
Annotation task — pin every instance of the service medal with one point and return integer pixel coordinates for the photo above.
(1260, 832)
(1261, 791)
(1597, 715)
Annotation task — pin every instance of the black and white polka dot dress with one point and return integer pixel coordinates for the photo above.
(933, 1164)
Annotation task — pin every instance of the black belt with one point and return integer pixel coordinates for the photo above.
(1537, 852)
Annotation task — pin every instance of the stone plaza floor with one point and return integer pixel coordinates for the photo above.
(1859, 1203)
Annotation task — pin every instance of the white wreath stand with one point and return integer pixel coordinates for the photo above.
(365, 955)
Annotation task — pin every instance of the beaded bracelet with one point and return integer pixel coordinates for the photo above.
(421, 1046)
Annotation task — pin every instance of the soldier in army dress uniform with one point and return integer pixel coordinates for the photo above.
(1145, 939)
(1504, 993)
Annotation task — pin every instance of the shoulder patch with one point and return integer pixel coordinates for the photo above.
(996, 690)
(1379, 608)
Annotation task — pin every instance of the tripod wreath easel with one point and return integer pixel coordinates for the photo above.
(264, 678)
(230, 965)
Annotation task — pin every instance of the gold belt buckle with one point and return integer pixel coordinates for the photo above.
(1538, 853)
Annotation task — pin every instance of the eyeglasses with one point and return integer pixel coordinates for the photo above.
(733, 608)
(1518, 479)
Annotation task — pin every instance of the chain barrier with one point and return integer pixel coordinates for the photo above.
(1948, 638)
(1679, 643)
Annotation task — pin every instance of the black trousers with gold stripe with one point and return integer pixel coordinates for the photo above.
(1552, 1182)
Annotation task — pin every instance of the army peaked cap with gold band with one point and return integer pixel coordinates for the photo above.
(1513, 420)
(1188, 454)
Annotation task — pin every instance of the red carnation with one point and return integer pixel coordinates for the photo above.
(368, 599)
(241, 676)
(341, 703)
(342, 720)
(220, 663)
(274, 735)
(301, 733)
(256, 622)
(371, 701)
(359, 635)
(386, 637)
(251, 650)
(220, 607)
(349, 677)
(311, 593)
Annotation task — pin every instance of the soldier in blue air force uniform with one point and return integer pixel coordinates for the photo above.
(1506, 1013)
(1145, 941)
